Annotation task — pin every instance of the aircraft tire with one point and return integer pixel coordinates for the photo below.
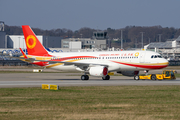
(106, 78)
(87, 77)
(84, 77)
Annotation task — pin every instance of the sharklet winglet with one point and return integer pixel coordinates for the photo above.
(23, 53)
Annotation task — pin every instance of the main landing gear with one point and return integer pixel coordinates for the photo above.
(107, 77)
(86, 77)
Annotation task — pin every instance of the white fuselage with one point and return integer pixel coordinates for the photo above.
(114, 60)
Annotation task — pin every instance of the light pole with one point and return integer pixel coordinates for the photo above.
(159, 37)
(19, 42)
(142, 38)
(121, 39)
(81, 36)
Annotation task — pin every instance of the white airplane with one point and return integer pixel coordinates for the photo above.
(99, 64)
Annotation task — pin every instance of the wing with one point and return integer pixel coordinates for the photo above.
(78, 63)
(83, 66)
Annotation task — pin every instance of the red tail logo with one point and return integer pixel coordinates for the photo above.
(31, 44)
(34, 47)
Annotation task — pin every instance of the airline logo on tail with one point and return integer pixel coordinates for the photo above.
(34, 47)
(31, 41)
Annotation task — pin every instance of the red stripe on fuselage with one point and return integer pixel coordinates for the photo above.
(69, 58)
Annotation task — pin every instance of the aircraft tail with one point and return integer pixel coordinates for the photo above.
(34, 47)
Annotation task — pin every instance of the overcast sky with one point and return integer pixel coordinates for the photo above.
(96, 14)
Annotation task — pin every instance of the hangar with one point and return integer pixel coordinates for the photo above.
(17, 41)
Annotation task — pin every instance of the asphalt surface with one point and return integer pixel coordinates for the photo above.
(10, 80)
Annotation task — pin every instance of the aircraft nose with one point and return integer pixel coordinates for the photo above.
(165, 62)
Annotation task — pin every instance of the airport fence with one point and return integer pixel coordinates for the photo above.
(174, 63)
(14, 63)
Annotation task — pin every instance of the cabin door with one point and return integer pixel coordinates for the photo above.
(142, 57)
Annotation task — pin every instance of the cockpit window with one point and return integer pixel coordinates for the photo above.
(159, 56)
(156, 56)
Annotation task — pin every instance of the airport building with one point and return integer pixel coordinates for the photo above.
(17, 41)
(169, 44)
(98, 40)
(169, 49)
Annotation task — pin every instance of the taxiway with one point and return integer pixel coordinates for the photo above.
(8, 80)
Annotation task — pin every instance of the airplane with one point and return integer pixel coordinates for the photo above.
(99, 64)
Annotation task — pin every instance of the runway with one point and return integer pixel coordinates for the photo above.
(10, 80)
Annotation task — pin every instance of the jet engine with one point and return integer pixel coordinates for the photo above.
(100, 71)
(128, 73)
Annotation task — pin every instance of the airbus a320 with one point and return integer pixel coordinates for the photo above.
(99, 64)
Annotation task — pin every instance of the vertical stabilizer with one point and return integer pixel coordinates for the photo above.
(34, 47)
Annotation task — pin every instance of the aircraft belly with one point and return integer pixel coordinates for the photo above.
(125, 67)
(118, 66)
(113, 67)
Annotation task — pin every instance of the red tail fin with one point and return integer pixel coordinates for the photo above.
(34, 47)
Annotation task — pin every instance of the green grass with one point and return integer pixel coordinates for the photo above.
(87, 103)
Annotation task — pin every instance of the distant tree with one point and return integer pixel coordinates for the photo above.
(131, 34)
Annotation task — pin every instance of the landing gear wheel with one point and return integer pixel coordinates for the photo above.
(87, 77)
(153, 77)
(107, 77)
(84, 77)
(136, 77)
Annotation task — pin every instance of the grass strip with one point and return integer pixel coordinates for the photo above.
(87, 103)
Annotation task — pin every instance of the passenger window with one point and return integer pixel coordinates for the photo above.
(155, 56)
(152, 56)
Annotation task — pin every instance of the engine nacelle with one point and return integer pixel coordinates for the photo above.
(128, 73)
(98, 71)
